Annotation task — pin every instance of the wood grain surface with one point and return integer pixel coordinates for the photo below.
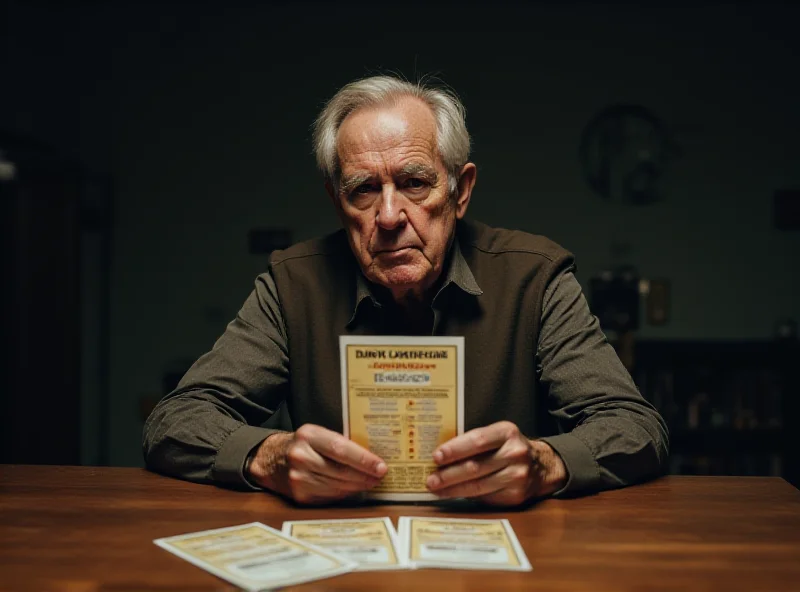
(85, 529)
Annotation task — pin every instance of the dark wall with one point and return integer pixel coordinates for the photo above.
(202, 114)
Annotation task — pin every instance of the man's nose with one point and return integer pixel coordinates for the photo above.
(391, 213)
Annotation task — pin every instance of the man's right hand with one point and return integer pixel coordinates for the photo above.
(314, 465)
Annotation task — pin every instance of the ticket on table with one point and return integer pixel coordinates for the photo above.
(461, 543)
(370, 542)
(255, 557)
(401, 398)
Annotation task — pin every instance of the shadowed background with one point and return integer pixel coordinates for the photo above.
(194, 122)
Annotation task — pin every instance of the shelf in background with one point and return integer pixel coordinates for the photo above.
(726, 441)
(750, 387)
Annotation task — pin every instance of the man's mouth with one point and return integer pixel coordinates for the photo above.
(398, 251)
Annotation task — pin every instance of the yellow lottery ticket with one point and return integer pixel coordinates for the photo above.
(255, 557)
(461, 543)
(370, 542)
(401, 398)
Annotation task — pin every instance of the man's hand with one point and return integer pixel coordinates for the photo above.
(314, 465)
(496, 465)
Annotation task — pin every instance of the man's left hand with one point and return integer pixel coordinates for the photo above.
(497, 465)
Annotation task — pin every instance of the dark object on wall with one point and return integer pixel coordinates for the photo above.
(786, 330)
(658, 301)
(262, 241)
(615, 299)
(624, 150)
(786, 209)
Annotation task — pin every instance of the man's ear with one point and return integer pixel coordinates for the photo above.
(466, 181)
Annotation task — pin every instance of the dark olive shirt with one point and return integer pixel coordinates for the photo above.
(608, 435)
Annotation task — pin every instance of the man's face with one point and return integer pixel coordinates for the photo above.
(393, 198)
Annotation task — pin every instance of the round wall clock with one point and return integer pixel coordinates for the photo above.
(623, 152)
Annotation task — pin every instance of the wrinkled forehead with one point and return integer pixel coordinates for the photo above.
(408, 123)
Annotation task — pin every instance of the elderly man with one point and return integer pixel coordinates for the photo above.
(549, 408)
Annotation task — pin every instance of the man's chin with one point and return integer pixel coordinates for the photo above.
(400, 278)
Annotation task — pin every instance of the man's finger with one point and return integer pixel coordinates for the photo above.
(335, 446)
(330, 469)
(312, 488)
(480, 487)
(310, 463)
(509, 496)
(467, 470)
(474, 442)
(307, 487)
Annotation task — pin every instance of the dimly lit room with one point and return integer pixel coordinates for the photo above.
(504, 289)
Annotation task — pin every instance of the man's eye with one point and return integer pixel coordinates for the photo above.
(414, 183)
(363, 195)
(364, 189)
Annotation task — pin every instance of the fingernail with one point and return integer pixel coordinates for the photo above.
(433, 481)
(438, 456)
(380, 468)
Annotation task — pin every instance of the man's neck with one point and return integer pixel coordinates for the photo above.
(412, 306)
(412, 315)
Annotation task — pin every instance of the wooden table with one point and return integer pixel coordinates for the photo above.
(84, 529)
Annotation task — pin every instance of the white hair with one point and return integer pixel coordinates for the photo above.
(453, 140)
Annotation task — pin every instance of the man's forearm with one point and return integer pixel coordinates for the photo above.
(205, 428)
(268, 465)
(613, 437)
(186, 436)
(552, 472)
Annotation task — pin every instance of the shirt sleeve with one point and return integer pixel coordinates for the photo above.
(204, 429)
(611, 436)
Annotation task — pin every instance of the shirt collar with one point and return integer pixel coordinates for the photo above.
(458, 273)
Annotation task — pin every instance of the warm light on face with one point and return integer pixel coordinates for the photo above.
(393, 197)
